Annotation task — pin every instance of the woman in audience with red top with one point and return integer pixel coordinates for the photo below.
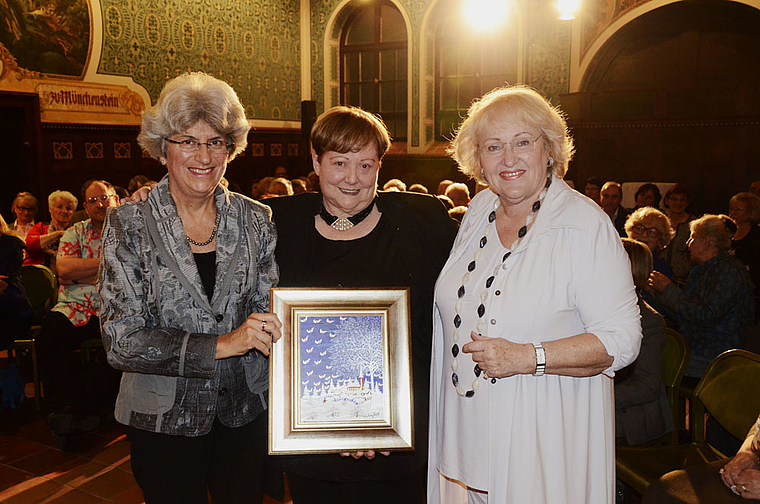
(42, 240)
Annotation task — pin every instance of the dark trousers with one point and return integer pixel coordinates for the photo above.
(227, 463)
(409, 490)
(67, 383)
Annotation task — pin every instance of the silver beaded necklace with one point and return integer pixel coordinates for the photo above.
(481, 310)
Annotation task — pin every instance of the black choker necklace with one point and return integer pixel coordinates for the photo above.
(344, 223)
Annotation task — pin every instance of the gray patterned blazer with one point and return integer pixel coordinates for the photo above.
(159, 327)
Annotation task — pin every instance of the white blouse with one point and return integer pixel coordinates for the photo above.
(525, 438)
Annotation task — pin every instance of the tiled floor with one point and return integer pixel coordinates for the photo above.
(94, 468)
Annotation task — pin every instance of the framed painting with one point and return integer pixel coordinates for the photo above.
(340, 378)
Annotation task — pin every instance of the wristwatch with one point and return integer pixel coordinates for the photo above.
(540, 359)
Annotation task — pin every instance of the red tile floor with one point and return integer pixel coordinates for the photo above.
(94, 468)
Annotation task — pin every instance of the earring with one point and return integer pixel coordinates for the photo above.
(482, 174)
(550, 162)
(163, 161)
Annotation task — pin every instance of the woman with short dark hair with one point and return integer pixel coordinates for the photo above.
(351, 235)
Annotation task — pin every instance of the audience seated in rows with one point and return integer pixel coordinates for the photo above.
(716, 306)
(42, 240)
(69, 392)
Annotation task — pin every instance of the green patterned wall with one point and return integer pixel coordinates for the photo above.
(252, 45)
(548, 50)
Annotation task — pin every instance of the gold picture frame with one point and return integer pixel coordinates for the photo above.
(340, 378)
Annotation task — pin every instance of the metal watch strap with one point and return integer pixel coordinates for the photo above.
(540, 359)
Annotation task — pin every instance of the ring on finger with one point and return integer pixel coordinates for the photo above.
(263, 325)
(744, 489)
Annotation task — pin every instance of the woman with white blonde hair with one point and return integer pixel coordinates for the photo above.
(42, 240)
(651, 227)
(534, 311)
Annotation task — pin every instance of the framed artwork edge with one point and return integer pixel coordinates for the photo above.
(296, 426)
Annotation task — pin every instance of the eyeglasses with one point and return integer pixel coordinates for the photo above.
(518, 146)
(25, 209)
(102, 198)
(188, 146)
(651, 232)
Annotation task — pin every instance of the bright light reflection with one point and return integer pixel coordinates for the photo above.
(485, 15)
(568, 8)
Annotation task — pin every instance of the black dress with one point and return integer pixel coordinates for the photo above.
(407, 247)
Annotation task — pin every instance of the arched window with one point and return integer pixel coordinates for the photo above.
(373, 56)
(468, 65)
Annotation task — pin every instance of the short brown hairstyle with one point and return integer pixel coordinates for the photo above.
(642, 262)
(342, 129)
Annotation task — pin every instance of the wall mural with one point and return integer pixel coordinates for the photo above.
(47, 36)
(252, 45)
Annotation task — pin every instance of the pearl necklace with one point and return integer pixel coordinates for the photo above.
(211, 238)
(484, 293)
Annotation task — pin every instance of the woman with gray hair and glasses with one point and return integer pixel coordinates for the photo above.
(534, 312)
(184, 286)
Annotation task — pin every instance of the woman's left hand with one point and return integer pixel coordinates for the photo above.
(499, 358)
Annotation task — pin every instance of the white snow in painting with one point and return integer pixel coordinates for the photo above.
(341, 368)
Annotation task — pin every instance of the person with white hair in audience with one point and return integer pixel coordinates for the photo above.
(394, 185)
(459, 194)
(280, 187)
(42, 240)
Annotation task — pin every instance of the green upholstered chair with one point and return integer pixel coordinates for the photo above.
(41, 288)
(675, 360)
(728, 392)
